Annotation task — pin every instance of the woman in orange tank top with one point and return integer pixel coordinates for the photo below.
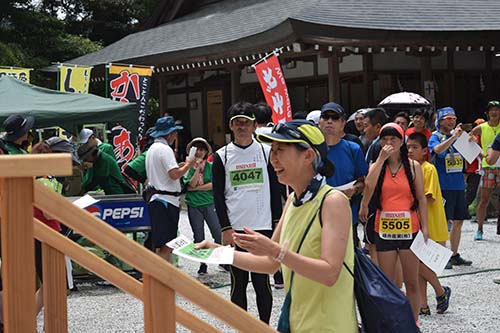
(396, 186)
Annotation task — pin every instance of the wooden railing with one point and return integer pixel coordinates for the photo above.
(161, 281)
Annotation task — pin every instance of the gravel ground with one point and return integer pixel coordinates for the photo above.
(99, 307)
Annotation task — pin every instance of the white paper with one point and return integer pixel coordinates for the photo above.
(85, 201)
(469, 149)
(432, 254)
(345, 186)
(184, 247)
(192, 153)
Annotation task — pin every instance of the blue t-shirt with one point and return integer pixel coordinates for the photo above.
(448, 181)
(496, 143)
(349, 165)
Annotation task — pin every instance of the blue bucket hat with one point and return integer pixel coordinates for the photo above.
(442, 113)
(165, 126)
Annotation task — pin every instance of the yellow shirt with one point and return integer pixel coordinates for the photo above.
(488, 134)
(437, 223)
(316, 307)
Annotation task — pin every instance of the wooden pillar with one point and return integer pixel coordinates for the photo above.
(18, 257)
(333, 78)
(159, 307)
(163, 95)
(235, 84)
(488, 75)
(425, 71)
(450, 77)
(368, 79)
(54, 290)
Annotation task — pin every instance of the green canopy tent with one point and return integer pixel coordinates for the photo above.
(63, 109)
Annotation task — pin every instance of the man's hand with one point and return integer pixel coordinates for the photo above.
(458, 131)
(227, 237)
(87, 165)
(350, 191)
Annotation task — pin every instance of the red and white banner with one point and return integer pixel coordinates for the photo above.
(272, 82)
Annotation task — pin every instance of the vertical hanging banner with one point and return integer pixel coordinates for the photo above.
(272, 82)
(22, 74)
(74, 78)
(124, 149)
(131, 84)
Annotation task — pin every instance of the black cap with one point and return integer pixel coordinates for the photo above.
(334, 107)
(16, 126)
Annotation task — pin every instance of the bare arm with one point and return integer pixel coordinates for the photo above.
(422, 200)
(177, 173)
(443, 146)
(492, 156)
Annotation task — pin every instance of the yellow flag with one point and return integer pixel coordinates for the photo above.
(74, 79)
(22, 74)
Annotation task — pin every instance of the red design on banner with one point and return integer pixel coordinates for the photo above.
(272, 82)
(124, 150)
(120, 85)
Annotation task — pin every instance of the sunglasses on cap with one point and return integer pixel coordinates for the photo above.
(493, 103)
(282, 128)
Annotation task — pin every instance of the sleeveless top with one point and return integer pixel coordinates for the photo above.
(247, 189)
(396, 200)
(488, 134)
(316, 307)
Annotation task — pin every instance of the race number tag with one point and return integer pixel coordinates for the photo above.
(395, 225)
(454, 163)
(247, 178)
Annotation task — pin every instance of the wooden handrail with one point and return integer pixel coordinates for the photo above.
(17, 166)
(110, 273)
(144, 260)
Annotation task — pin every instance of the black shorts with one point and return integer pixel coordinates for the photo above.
(164, 222)
(455, 206)
(384, 245)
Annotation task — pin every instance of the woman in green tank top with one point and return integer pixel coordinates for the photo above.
(313, 238)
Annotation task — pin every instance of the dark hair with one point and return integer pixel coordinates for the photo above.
(403, 114)
(326, 167)
(377, 116)
(409, 177)
(299, 115)
(241, 108)
(421, 112)
(263, 113)
(420, 138)
(390, 131)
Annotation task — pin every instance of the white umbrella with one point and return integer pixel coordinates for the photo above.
(405, 98)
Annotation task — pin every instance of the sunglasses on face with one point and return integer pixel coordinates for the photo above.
(332, 116)
(450, 118)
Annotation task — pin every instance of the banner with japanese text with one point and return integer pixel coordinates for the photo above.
(22, 74)
(74, 79)
(131, 84)
(121, 139)
(272, 82)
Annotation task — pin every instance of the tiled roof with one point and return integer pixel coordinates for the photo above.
(262, 22)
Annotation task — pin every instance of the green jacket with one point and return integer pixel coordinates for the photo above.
(104, 174)
(14, 149)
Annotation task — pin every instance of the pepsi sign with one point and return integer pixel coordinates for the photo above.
(125, 215)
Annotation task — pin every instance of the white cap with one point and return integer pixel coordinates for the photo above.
(84, 135)
(314, 116)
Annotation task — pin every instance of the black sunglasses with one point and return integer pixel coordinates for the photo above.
(332, 116)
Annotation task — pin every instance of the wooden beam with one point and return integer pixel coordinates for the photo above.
(55, 313)
(450, 76)
(144, 260)
(18, 251)
(35, 165)
(368, 79)
(163, 95)
(334, 78)
(488, 74)
(110, 273)
(425, 72)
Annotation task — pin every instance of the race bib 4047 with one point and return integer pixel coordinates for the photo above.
(246, 177)
(395, 225)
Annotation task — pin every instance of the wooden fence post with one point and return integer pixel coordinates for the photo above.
(18, 254)
(54, 290)
(159, 306)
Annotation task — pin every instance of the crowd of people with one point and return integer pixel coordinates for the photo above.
(289, 197)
